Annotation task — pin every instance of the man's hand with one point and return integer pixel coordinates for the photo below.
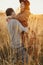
(25, 24)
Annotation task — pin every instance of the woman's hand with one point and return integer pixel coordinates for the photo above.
(8, 18)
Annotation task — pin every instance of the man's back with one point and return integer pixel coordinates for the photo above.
(15, 29)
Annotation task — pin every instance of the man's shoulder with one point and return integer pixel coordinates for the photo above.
(13, 20)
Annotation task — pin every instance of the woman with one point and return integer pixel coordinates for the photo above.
(24, 12)
(23, 18)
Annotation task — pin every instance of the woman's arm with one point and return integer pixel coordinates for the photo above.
(22, 18)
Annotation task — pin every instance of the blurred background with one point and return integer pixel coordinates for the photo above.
(35, 22)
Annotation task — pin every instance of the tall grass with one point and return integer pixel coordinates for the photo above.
(7, 54)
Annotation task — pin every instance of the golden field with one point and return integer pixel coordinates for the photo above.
(35, 23)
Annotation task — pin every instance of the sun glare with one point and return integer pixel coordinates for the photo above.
(36, 6)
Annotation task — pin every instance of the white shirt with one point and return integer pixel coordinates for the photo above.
(15, 28)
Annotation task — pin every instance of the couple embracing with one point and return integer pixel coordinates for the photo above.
(17, 26)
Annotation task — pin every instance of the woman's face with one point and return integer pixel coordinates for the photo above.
(22, 6)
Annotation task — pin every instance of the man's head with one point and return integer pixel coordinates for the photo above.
(9, 11)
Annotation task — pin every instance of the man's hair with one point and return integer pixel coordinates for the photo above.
(9, 11)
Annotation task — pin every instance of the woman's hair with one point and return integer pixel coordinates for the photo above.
(9, 11)
(26, 2)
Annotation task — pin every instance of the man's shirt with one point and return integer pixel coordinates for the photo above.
(15, 28)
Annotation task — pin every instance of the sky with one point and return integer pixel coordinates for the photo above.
(36, 6)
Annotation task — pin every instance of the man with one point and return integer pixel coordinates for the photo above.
(15, 29)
